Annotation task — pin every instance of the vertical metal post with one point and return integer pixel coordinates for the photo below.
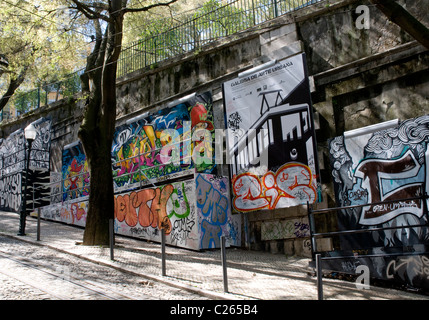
(276, 10)
(164, 273)
(38, 224)
(38, 97)
(223, 254)
(111, 238)
(312, 230)
(246, 231)
(319, 276)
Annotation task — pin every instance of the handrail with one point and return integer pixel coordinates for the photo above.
(313, 235)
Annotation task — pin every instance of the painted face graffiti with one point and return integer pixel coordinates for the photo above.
(374, 172)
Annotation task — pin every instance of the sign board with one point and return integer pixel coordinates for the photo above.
(271, 144)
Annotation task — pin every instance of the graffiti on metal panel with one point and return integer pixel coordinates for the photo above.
(147, 207)
(389, 164)
(373, 172)
(66, 212)
(40, 148)
(214, 211)
(292, 182)
(213, 207)
(13, 155)
(163, 143)
(75, 173)
(170, 207)
(14, 149)
(10, 192)
(56, 187)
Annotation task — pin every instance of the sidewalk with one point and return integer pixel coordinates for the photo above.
(251, 275)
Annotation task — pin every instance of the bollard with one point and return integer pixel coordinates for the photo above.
(164, 273)
(223, 254)
(319, 277)
(111, 238)
(38, 224)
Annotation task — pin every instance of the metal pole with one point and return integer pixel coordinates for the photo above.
(319, 276)
(164, 273)
(38, 224)
(23, 213)
(223, 254)
(111, 238)
(312, 230)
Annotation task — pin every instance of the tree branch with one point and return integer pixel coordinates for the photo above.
(92, 12)
(13, 85)
(149, 7)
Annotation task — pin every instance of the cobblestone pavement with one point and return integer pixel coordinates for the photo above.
(251, 275)
(32, 272)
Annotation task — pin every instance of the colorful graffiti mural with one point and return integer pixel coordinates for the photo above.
(271, 145)
(145, 212)
(75, 175)
(169, 145)
(194, 213)
(382, 166)
(379, 166)
(215, 217)
(163, 144)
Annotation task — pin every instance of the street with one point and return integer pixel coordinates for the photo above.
(31, 272)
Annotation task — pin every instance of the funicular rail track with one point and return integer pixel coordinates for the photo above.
(64, 283)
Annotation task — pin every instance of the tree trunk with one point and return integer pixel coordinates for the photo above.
(97, 129)
(101, 202)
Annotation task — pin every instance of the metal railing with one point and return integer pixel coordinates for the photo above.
(201, 29)
(195, 31)
(24, 101)
(319, 256)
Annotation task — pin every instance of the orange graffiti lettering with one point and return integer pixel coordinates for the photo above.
(147, 207)
(291, 181)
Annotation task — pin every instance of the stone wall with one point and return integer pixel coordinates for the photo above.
(358, 76)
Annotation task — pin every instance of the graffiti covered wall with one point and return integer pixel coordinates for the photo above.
(163, 177)
(377, 166)
(13, 152)
(270, 137)
(10, 192)
(194, 213)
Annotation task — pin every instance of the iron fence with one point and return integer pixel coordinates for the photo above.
(172, 39)
(24, 101)
(318, 256)
(200, 29)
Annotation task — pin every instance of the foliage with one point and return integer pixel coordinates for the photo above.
(38, 43)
